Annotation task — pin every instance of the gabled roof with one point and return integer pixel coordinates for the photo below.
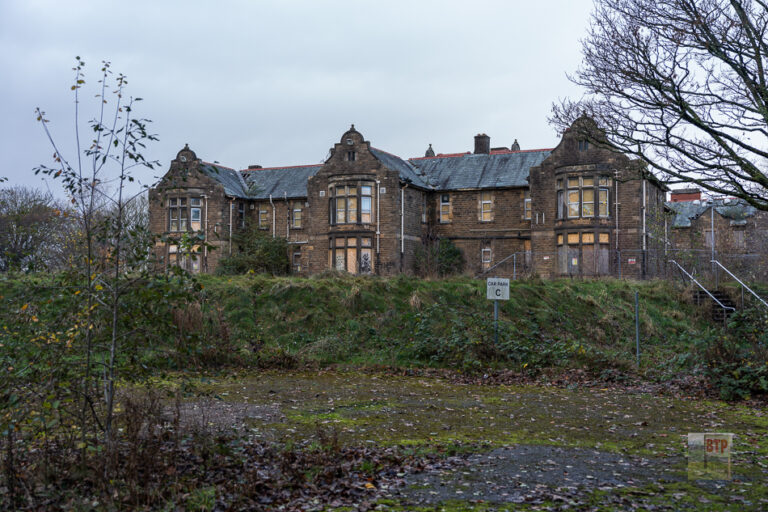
(457, 171)
(408, 172)
(735, 210)
(229, 178)
(473, 171)
(278, 181)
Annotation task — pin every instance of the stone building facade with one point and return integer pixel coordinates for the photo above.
(575, 210)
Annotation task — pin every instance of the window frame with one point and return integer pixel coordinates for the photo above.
(263, 216)
(486, 206)
(486, 263)
(184, 213)
(527, 206)
(296, 215)
(445, 208)
(357, 201)
(358, 244)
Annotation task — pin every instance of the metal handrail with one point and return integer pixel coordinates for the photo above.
(496, 265)
(740, 282)
(700, 286)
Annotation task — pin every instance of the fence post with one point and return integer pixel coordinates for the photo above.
(637, 326)
(514, 266)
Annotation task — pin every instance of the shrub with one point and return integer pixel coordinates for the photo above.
(256, 252)
(442, 259)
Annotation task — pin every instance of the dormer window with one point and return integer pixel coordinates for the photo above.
(351, 156)
(583, 145)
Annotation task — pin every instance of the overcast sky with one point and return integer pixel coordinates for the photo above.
(278, 82)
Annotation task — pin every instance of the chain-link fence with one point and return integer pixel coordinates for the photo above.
(636, 264)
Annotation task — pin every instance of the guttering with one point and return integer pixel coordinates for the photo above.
(273, 215)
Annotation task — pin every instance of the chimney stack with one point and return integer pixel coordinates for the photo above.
(482, 144)
(685, 195)
(254, 166)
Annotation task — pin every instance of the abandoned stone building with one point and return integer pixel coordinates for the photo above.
(576, 210)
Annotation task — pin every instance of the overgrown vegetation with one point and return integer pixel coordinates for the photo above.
(440, 258)
(218, 322)
(257, 252)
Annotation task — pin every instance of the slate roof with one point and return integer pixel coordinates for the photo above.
(733, 209)
(469, 171)
(231, 180)
(408, 172)
(457, 171)
(278, 181)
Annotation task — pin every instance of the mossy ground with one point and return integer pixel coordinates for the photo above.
(435, 415)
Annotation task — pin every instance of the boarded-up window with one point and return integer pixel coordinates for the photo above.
(486, 207)
(527, 206)
(485, 257)
(445, 208)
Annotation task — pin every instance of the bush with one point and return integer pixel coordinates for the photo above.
(737, 361)
(257, 252)
(442, 259)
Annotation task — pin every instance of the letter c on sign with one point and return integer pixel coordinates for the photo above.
(498, 292)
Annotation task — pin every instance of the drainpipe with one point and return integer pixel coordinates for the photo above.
(230, 226)
(273, 215)
(205, 236)
(402, 219)
(288, 220)
(378, 231)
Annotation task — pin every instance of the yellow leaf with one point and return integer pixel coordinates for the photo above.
(24, 307)
(99, 287)
(369, 485)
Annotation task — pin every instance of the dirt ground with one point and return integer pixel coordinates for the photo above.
(506, 447)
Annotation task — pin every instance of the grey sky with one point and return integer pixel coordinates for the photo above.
(278, 82)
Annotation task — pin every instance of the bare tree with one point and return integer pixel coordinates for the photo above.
(34, 229)
(681, 84)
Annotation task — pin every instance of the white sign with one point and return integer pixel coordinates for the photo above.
(497, 288)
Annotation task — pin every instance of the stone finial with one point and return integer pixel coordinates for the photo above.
(430, 151)
(515, 146)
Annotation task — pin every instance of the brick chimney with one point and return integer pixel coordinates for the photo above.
(482, 144)
(685, 194)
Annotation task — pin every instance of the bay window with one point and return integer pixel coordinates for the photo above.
(352, 204)
(353, 254)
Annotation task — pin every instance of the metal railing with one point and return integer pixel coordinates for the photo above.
(743, 286)
(693, 279)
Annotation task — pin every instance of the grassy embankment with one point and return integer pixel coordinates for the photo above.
(411, 322)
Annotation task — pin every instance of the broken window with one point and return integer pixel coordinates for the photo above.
(445, 208)
(485, 257)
